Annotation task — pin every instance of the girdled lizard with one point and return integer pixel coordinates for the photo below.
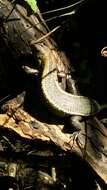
(62, 102)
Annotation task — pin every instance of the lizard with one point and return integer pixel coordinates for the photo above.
(62, 102)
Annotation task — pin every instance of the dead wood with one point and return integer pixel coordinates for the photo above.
(17, 35)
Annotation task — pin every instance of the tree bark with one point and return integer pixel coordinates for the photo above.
(17, 32)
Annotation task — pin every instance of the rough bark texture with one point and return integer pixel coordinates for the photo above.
(25, 114)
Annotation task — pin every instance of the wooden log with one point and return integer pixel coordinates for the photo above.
(17, 32)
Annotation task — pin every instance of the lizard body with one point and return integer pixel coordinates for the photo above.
(61, 101)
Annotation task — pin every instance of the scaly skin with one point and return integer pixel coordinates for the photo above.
(61, 102)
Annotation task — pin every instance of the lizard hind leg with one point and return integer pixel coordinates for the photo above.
(76, 122)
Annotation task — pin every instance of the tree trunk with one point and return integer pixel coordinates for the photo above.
(25, 113)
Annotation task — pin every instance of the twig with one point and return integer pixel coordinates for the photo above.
(55, 17)
(63, 8)
(45, 36)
